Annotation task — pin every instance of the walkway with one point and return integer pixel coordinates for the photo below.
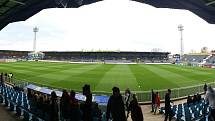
(6, 115)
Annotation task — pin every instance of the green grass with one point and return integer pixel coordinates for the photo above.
(102, 77)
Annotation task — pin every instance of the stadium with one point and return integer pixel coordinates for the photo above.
(30, 79)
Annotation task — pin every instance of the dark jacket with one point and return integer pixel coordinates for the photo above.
(116, 108)
(167, 101)
(136, 112)
(75, 113)
(153, 97)
(54, 110)
(64, 107)
(2, 78)
(86, 109)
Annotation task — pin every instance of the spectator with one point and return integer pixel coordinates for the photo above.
(34, 103)
(54, 107)
(2, 78)
(168, 111)
(97, 113)
(136, 112)
(75, 114)
(87, 106)
(47, 107)
(29, 94)
(40, 106)
(64, 105)
(127, 98)
(189, 100)
(115, 106)
(198, 97)
(195, 99)
(153, 100)
(205, 87)
(10, 76)
(157, 102)
(210, 97)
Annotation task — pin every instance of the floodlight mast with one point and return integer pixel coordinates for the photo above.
(180, 29)
(35, 30)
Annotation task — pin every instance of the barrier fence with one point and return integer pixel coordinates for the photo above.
(143, 96)
(176, 93)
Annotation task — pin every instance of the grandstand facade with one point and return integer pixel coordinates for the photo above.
(92, 56)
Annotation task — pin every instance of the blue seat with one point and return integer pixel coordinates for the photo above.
(6, 102)
(18, 111)
(1, 99)
(12, 106)
(196, 115)
(26, 116)
(26, 106)
(162, 110)
(35, 118)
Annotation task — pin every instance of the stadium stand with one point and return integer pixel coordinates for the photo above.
(28, 107)
(187, 112)
(211, 59)
(9, 54)
(194, 58)
(78, 56)
(16, 101)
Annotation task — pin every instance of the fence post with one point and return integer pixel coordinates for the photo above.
(178, 93)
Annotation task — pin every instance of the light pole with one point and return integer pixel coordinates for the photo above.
(35, 30)
(181, 28)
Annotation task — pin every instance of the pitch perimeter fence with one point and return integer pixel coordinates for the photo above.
(143, 96)
(176, 93)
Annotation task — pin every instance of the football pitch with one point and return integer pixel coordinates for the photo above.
(102, 77)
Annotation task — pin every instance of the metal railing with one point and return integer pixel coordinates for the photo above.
(176, 93)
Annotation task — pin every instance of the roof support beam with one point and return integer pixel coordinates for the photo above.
(210, 3)
(4, 3)
(15, 1)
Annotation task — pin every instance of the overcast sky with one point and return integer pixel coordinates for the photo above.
(110, 25)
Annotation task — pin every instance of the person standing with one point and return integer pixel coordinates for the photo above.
(127, 99)
(153, 100)
(168, 111)
(157, 102)
(75, 113)
(54, 107)
(189, 100)
(210, 97)
(205, 88)
(86, 107)
(136, 112)
(64, 105)
(115, 106)
(10, 76)
(2, 78)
